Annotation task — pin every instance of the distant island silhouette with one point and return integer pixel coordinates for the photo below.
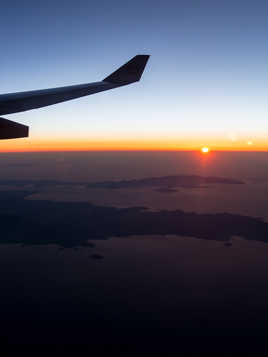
(167, 182)
(162, 183)
(74, 224)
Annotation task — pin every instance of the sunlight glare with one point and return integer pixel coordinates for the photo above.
(205, 149)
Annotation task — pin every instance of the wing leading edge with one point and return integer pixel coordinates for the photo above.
(19, 102)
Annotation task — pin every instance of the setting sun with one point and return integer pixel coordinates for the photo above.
(205, 150)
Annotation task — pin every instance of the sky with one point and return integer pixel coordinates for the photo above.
(206, 82)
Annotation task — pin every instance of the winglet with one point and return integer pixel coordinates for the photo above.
(129, 72)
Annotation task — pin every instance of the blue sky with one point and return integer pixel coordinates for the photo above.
(207, 75)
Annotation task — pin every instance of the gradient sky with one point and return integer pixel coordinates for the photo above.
(206, 82)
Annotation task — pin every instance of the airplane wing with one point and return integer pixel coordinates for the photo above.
(19, 102)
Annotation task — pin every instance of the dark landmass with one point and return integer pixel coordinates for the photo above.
(164, 182)
(19, 164)
(166, 190)
(186, 181)
(73, 224)
(38, 184)
(91, 245)
(96, 256)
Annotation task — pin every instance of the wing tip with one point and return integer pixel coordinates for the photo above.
(130, 72)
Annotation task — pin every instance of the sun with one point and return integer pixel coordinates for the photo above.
(205, 150)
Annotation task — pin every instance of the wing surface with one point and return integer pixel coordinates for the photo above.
(19, 102)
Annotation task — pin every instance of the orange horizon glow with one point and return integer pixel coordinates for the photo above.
(40, 145)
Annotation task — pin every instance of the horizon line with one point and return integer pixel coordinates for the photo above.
(133, 150)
